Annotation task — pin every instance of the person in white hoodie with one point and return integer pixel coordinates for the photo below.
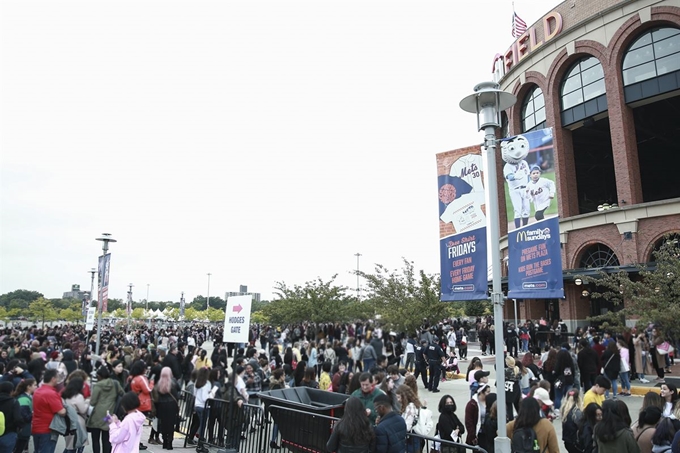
(126, 436)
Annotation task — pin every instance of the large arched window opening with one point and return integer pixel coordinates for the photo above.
(651, 79)
(598, 256)
(583, 94)
(533, 111)
(650, 57)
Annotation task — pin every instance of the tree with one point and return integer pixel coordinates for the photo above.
(214, 315)
(70, 315)
(316, 301)
(42, 310)
(22, 295)
(119, 313)
(172, 313)
(114, 304)
(403, 298)
(4, 314)
(651, 296)
(137, 313)
(191, 314)
(200, 302)
(478, 307)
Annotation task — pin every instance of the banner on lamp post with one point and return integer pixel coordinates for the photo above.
(462, 225)
(104, 266)
(534, 252)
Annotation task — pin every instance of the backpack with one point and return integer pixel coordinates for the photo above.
(524, 441)
(2, 423)
(424, 422)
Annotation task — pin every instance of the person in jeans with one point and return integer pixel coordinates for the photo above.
(46, 404)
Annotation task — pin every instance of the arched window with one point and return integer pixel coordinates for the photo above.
(533, 111)
(598, 255)
(583, 91)
(651, 65)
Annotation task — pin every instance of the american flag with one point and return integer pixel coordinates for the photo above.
(519, 27)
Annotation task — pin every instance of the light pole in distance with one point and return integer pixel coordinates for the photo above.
(207, 304)
(488, 101)
(358, 287)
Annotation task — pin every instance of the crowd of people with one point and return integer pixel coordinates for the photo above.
(52, 382)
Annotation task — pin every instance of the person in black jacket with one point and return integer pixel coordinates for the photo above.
(171, 361)
(390, 432)
(564, 374)
(612, 365)
(13, 419)
(448, 423)
(588, 363)
(353, 433)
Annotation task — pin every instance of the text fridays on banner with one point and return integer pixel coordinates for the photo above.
(534, 252)
(237, 319)
(462, 225)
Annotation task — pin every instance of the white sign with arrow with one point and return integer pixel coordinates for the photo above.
(237, 319)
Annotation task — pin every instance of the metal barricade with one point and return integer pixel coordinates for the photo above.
(185, 414)
(228, 426)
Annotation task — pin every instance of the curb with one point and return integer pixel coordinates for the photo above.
(642, 391)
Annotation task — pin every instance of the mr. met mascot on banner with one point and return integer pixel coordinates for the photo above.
(516, 172)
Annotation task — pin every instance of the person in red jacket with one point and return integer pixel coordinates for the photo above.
(142, 387)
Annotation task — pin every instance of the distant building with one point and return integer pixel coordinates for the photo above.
(242, 291)
(76, 293)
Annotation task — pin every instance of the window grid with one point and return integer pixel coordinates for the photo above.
(655, 53)
(533, 111)
(599, 255)
(584, 82)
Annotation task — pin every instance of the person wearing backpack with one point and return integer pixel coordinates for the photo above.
(11, 420)
(530, 433)
(571, 417)
(24, 395)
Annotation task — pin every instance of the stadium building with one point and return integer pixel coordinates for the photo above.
(605, 75)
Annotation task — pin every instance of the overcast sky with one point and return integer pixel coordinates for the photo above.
(260, 141)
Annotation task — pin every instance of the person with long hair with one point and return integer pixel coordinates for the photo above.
(73, 396)
(104, 395)
(387, 386)
(646, 427)
(612, 434)
(412, 382)
(651, 399)
(571, 417)
(299, 373)
(24, 395)
(409, 407)
(474, 365)
(489, 429)
(202, 389)
(142, 387)
(669, 393)
(165, 396)
(624, 373)
(309, 380)
(448, 423)
(529, 418)
(663, 436)
(611, 360)
(474, 413)
(592, 415)
(203, 361)
(353, 433)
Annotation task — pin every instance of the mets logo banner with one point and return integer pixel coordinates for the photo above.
(462, 225)
(104, 266)
(534, 254)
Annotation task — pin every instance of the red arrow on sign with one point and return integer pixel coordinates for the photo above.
(237, 308)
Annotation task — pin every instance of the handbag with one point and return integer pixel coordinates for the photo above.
(605, 365)
(423, 423)
(665, 348)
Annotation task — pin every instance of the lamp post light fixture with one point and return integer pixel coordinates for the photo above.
(105, 239)
(487, 102)
(585, 293)
(578, 281)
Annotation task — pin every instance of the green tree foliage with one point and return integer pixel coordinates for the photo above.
(172, 313)
(4, 314)
(71, 315)
(478, 307)
(214, 315)
(191, 314)
(41, 310)
(403, 297)
(651, 296)
(137, 313)
(316, 301)
(199, 303)
(114, 304)
(20, 298)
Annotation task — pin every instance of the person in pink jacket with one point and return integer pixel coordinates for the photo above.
(125, 436)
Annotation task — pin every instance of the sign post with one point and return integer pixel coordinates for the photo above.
(237, 319)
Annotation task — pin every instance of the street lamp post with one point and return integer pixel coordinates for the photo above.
(147, 303)
(128, 308)
(488, 101)
(207, 304)
(92, 272)
(358, 288)
(105, 239)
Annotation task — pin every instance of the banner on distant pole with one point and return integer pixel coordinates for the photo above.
(462, 225)
(534, 253)
(129, 302)
(181, 306)
(104, 265)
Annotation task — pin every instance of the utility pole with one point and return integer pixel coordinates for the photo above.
(105, 239)
(208, 302)
(358, 287)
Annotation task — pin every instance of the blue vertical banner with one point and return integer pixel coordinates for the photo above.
(462, 225)
(534, 252)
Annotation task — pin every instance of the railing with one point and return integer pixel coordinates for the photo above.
(249, 429)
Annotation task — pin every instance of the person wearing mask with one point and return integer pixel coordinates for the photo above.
(390, 431)
(449, 425)
(612, 434)
(529, 418)
(353, 433)
(475, 411)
